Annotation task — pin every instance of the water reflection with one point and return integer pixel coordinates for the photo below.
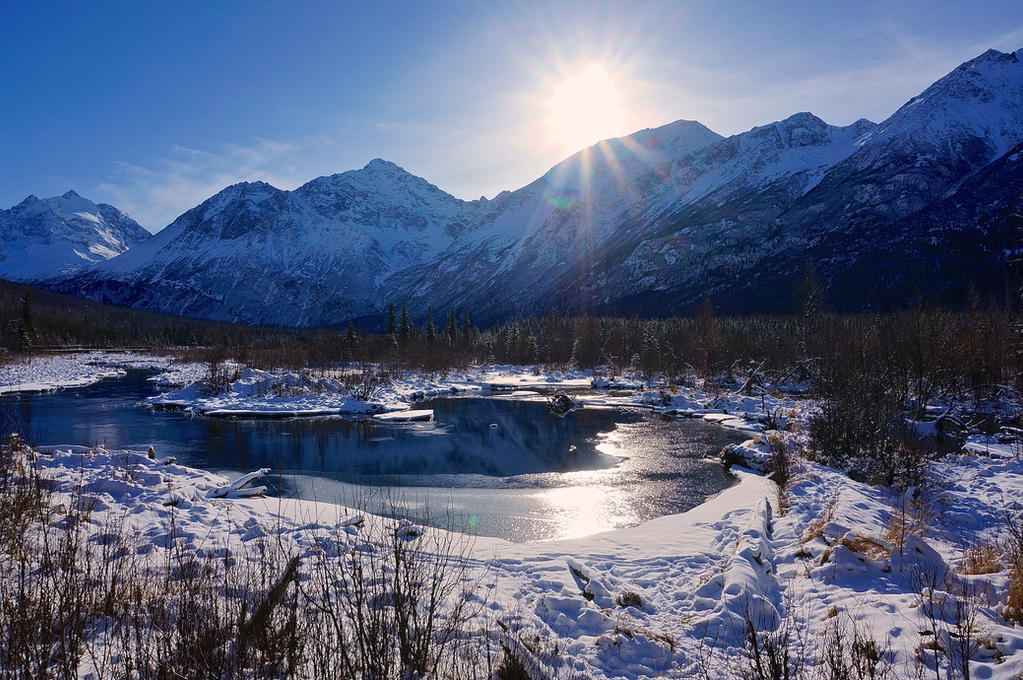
(497, 466)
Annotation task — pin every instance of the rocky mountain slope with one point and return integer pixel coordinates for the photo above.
(916, 208)
(315, 256)
(42, 238)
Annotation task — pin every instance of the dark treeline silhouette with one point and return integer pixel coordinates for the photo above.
(920, 354)
(31, 318)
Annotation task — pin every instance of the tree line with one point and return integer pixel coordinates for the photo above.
(974, 352)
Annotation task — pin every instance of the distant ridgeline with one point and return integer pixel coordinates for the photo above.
(923, 208)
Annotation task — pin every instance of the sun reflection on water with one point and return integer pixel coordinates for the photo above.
(584, 510)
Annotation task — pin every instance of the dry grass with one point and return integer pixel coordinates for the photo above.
(76, 593)
(1014, 600)
(913, 518)
(630, 598)
(872, 550)
(816, 528)
(631, 632)
(983, 558)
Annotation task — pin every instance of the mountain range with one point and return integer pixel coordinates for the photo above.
(40, 238)
(920, 208)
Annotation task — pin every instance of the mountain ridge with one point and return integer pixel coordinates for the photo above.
(671, 214)
(44, 237)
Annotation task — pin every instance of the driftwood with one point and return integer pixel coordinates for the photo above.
(753, 379)
(235, 489)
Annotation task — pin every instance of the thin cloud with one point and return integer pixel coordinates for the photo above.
(156, 192)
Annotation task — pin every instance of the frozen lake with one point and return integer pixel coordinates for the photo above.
(498, 466)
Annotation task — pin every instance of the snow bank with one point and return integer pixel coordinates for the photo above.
(643, 601)
(56, 371)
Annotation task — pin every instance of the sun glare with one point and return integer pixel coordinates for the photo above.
(585, 108)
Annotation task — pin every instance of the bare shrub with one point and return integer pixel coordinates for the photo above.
(780, 648)
(1014, 600)
(774, 649)
(780, 465)
(387, 603)
(850, 653)
(630, 598)
(393, 601)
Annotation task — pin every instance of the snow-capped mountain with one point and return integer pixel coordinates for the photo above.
(256, 254)
(42, 238)
(650, 223)
(711, 205)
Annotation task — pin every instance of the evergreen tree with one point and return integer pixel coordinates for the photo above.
(350, 350)
(405, 329)
(431, 330)
(811, 306)
(391, 323)
(393, 346)
(706, 335)
(530, 350)
(25, 328)
(650, 355)
(586, 346)
(451, 328)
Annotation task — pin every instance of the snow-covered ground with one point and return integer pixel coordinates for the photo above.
(258, 393)
(55, 371)
(670, 595)
(667, 597)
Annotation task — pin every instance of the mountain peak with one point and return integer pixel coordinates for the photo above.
(51, 236)
(981, 95)
(992, 55)
(991, 65)
(803, 118)
(381, 165)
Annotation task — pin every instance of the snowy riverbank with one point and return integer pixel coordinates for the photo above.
(48, 372)
(662, 598)
(258, 393)
(669, 597)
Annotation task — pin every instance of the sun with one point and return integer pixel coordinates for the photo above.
(585, 108)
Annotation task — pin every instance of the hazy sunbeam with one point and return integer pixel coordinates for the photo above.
(585, 108)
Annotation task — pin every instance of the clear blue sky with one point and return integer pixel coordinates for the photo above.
(154, 106)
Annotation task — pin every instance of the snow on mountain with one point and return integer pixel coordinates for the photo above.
(41, 238)
(607, 238)
(746, 244)
(650, 223)
(980, 99)
(256, 254)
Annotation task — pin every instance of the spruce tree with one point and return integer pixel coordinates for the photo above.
(451, 328)
(351, 343)
(391, 323)
(405, 329)
(26, 329)
(431, 330)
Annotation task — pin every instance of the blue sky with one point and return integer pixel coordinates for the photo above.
(155, 106)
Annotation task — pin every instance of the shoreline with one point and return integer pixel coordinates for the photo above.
(636, 601)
